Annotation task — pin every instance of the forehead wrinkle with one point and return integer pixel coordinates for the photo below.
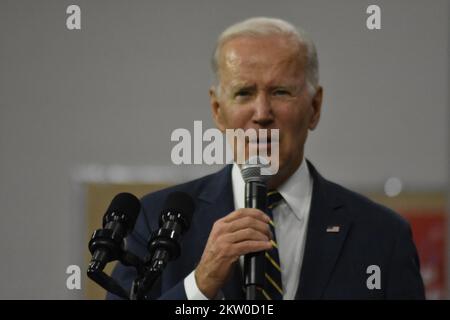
(274, 75)
(239, 62)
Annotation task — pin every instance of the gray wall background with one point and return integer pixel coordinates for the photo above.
(113, 92)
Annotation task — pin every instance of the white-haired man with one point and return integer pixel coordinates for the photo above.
(323, 238)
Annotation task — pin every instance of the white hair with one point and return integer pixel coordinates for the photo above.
(262, 26)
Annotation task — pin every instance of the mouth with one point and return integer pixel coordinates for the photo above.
(262, 145)
(259, 141)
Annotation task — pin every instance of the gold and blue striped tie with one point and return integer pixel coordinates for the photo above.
(273, 287)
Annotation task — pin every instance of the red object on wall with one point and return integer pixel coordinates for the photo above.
(429, 232)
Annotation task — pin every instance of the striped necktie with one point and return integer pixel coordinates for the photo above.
(273, 287)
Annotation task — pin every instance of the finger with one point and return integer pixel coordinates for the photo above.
(250, 222)
(249, 246)
(245, 235)
(246, 212)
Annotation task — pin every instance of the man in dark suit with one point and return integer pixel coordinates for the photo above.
(322, 241)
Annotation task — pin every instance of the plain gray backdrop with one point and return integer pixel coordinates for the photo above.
(112, 93)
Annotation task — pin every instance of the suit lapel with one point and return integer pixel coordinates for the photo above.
(322, 246)
(214, 202)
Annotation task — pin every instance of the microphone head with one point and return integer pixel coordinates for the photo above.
(252, 170)
(124, 208)
(179, 203)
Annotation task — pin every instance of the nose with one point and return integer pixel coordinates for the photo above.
(263, 113)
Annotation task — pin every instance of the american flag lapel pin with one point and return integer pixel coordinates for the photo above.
(333, 229)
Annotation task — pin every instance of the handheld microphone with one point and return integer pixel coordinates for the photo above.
(255, 197)
(107, 244)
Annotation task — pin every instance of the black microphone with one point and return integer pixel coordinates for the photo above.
(164, 244)
(108, 244)
(175, 219)
(255, 197)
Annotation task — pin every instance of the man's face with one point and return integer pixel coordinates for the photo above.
(263, 86)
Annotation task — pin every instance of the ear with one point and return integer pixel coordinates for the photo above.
(216, 109)
(316, 104)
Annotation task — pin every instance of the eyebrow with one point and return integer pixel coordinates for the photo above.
(248, 86)
(289, 87)
(241, 86)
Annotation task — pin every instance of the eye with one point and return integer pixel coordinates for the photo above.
(281, 92)
(243, 93)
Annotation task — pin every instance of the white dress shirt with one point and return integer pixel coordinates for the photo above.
(290, 218)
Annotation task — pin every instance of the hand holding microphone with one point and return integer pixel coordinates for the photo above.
(240, 232)
(244, 231)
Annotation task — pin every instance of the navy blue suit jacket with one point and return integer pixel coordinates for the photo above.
(334, 264)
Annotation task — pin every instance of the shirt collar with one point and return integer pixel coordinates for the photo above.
(296, 191)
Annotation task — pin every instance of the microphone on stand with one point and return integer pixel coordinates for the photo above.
(108, 243)
(164, 244)
(175, 219)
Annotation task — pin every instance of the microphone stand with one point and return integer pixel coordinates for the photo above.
(148, 272)
(162, 247)
(145, 281)
(95, 272)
